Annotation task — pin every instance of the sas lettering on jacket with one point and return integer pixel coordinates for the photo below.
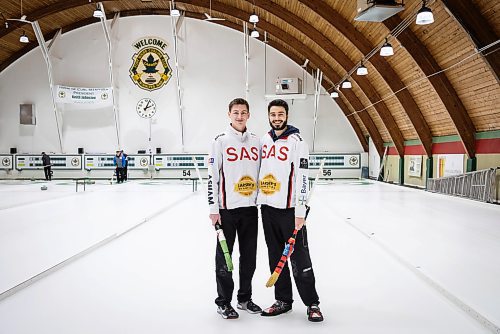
(281, 155)
(233, 154)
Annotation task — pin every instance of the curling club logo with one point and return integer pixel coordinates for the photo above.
(150, 69)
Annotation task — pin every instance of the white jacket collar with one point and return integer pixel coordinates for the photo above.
(242, 136)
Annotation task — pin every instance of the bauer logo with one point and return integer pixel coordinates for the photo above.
(269, 184)
(245, 186)
(303, 163)
(150, 69)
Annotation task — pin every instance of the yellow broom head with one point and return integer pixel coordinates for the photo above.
(272, 280)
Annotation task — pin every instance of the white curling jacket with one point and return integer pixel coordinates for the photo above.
(233, 170)
(283, 177)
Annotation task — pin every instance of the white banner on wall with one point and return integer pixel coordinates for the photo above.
(81, 95)
(415, 167)
(450, 164)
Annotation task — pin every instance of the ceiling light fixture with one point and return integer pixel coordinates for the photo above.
(346, 84)
(253, 18)
(98, 13)
(24, 38)
(174, 11)
(424, 15)
(362, 70)
(386, 49)
(255, 32)
(334, 94)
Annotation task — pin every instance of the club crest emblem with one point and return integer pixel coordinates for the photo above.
(150, 69)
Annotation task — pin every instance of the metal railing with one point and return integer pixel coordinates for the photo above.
(479, 185)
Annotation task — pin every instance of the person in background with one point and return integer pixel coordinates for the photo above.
(47, 167)
(119, 162)
(125, 167)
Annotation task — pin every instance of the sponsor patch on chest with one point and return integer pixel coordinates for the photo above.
(245, 186)
(269, 184)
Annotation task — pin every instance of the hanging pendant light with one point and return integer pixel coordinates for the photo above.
(255, 33)
(362, 70)
(253, 18)
(24, 38)
(98, 12)
(346, 84)
(386, 49)
(174, 11)
(334, 94)
(424, 15)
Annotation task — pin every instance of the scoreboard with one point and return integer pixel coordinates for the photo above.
(58, 161)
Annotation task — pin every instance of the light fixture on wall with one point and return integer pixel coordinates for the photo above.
(174, 11)
(98, 13)
(346, 84)
(24, 38)
(362, 70)
(424, 15)
(386, 49)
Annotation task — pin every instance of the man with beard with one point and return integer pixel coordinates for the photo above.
(232, 190)
(283, 190)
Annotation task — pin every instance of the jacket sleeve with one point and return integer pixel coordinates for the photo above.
(214, 167)
(302, 178)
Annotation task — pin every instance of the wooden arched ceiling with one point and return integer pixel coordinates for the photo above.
(394, 103)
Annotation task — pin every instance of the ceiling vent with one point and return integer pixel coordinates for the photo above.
(377, 10)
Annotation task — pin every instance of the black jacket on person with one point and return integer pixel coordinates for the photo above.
(45, 160)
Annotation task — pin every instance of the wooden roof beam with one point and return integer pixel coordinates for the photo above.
(232, 11)
(454, 106)
(344, 61)
(477, 27)
(391, 78)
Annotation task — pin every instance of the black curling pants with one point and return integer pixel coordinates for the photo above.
(242, 222)
(48, 172)
(278, 228)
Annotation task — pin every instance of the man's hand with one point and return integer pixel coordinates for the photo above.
(299, 222)
(215, 217)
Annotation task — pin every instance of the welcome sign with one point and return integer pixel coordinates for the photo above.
(150, 69)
